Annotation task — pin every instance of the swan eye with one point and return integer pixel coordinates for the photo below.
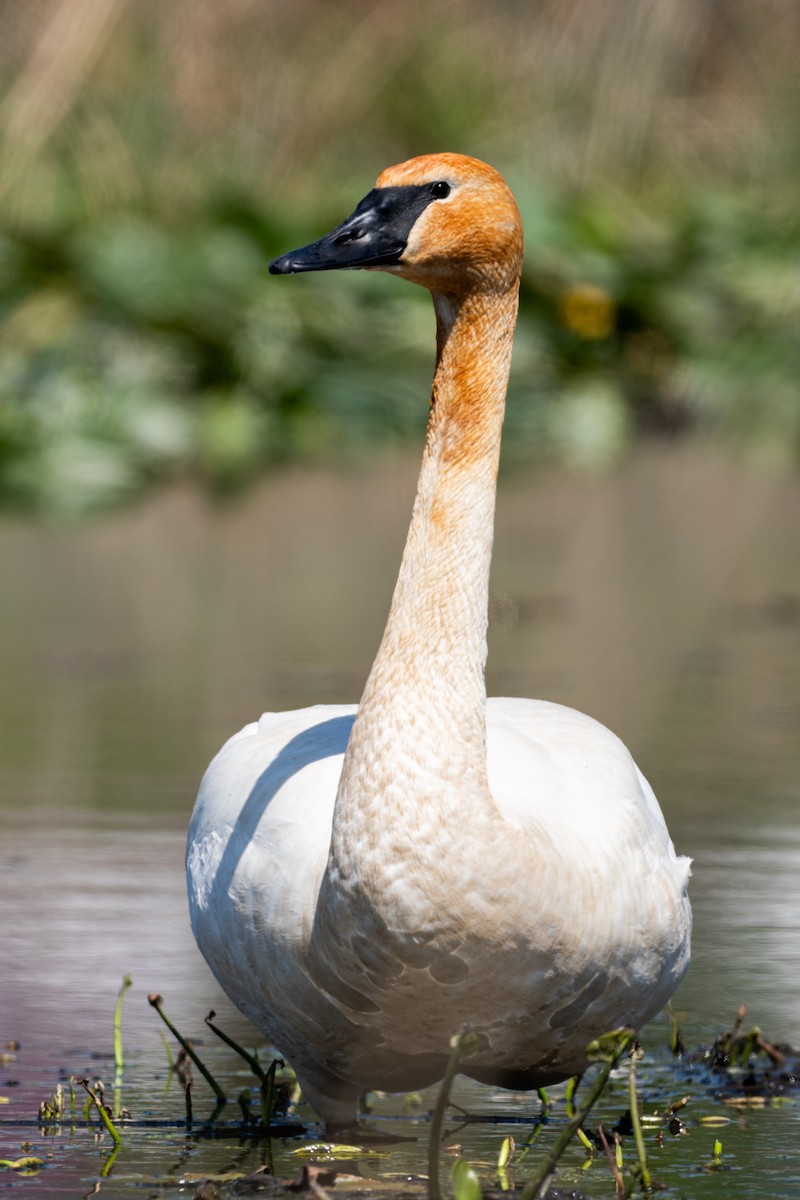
(440, 189)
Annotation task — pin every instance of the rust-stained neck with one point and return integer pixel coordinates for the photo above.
(424, 702)
(473, 355)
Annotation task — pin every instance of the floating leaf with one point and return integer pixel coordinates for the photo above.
(28, 1165)
(465, 1182)
(506, 1150)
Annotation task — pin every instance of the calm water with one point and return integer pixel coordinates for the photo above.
(664, 600)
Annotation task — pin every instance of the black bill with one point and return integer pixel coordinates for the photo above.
(375, 235)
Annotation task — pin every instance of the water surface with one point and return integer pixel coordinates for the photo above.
(664, 600)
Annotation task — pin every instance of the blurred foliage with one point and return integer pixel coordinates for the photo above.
(158, 156)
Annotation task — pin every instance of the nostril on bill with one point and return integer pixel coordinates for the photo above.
(349, 235)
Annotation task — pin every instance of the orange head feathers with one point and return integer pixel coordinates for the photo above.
(472, 237)
(445, 221)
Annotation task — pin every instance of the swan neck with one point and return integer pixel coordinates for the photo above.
(420, 729)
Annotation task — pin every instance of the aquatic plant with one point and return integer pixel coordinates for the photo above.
(462, 1045)
(156, 1002)
(119, 1059)
(29, 1164)
(470, 1175)
(267, 1091)
(644, 1173)
(466, 1185)
(606, 1051)
(744, 1068)
(105, 1115)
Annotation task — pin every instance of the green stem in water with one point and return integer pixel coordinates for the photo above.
(101, 1108)
(584, 1141)
(266, 1078)
(119, 1061)
(569, 1095)
(250, 1059)
(635, 1121)
(464, 1045)
(105, 1170)
(612, 1160)
(268, 1093)
(608, 1049)
(156, 1002)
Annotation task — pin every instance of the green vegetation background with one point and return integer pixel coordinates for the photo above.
(157, 155)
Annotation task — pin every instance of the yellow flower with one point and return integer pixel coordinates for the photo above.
(587, 310)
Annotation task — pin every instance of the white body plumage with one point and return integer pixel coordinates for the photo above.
(574, 915)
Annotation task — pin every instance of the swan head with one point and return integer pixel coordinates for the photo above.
(445, 221)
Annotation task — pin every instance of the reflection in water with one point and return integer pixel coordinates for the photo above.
(663, 600)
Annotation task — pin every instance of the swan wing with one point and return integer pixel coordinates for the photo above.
(258, 844)
(566, 785)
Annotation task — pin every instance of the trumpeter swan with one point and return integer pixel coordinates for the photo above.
(365, 880)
